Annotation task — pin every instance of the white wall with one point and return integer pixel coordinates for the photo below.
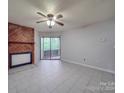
(95, 43)
(37, 47)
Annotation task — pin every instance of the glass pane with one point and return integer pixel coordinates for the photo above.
(46, 48)
(55, 48)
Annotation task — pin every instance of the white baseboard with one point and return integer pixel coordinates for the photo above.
(85, 65)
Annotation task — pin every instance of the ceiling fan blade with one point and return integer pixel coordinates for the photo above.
(41, 14)
(41, 21)
(59, 16)
(59, 23)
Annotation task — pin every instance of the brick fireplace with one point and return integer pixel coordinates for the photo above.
(20, 41)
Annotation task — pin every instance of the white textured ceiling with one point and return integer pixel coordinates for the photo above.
(77, 13)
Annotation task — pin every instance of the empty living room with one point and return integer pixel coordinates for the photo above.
(61, 46)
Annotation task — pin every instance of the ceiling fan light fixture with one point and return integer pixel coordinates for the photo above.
(51, 19)
(50, 23)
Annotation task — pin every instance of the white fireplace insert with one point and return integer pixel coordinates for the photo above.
(19, 59)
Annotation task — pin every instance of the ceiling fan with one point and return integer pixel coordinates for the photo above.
(51, 19)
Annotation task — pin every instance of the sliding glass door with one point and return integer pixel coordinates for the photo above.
(55, 48)
(50, 48)
(46, 48)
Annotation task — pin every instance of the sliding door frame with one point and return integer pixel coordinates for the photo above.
(50, 46)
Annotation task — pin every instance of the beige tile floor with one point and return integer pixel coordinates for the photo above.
(59, 77)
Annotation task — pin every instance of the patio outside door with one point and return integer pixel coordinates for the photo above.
(50, 48)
